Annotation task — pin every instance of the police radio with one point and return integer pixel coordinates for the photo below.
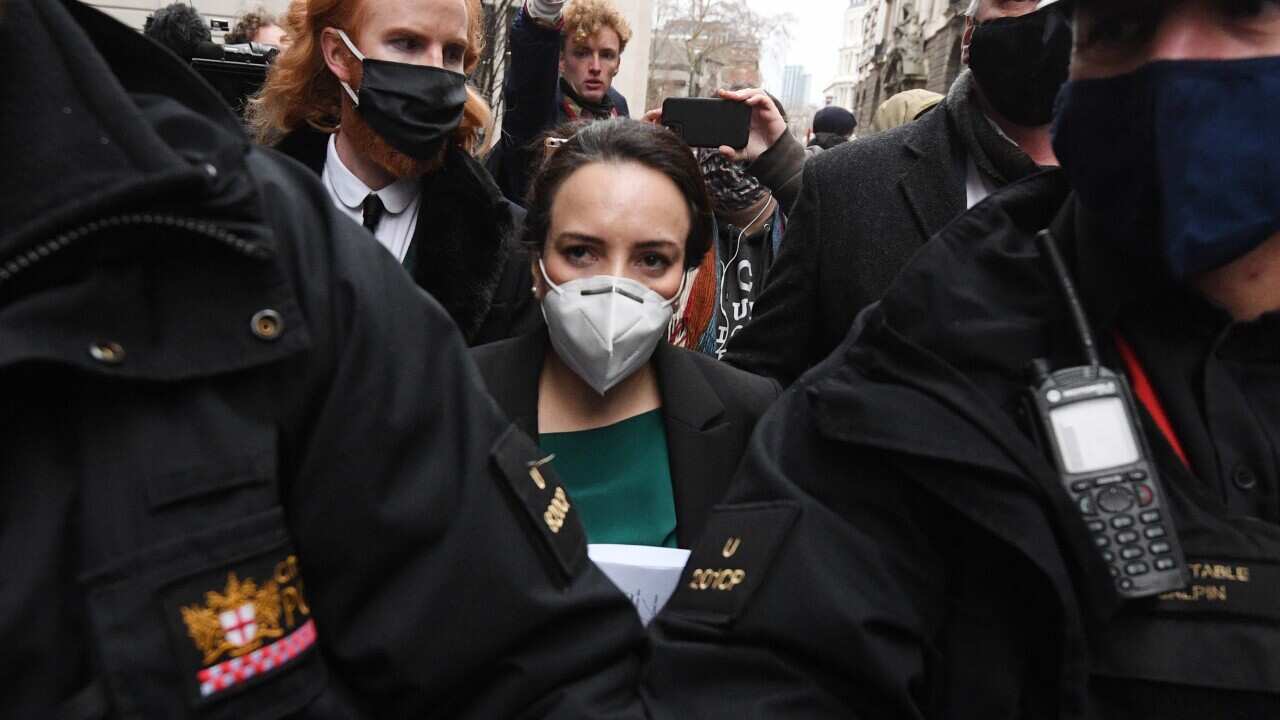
(1087, 422)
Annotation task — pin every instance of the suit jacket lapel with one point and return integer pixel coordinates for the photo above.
(518, 384)
(934, 193)
(697, 439)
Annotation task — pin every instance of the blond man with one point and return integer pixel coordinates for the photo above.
(564, 58)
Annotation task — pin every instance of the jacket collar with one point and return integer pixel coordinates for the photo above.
(695, 405)
(352, 191)
(698, 439)
(933, 188)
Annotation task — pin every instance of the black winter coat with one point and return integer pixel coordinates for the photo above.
(247, 469)
(865, 208)
(466, 248)
(896, 545)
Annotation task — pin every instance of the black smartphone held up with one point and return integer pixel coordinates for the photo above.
(708, 122)
(1101, 454)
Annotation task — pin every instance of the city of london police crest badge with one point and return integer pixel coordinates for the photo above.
(249, 628)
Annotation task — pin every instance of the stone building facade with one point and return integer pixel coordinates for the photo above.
(843, 88)
(907, 44)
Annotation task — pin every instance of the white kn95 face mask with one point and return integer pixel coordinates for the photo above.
(604, 327)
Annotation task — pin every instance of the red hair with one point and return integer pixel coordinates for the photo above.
(301, 91)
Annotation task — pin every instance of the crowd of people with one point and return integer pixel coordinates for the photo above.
(318, 397)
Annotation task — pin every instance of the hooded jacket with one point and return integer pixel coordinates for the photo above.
(897, 546)
(248, 469)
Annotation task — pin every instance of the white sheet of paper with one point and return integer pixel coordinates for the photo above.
(646, 575)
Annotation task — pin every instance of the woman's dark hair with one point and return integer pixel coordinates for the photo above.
(620, 140)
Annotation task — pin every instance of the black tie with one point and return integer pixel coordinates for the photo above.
(373, 210)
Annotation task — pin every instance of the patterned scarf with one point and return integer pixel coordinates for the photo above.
(996, 157)
(731, 186)
(577, 107)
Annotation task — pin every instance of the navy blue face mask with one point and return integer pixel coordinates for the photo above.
(1179, 161)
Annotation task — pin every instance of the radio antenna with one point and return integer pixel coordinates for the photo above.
(1073, 300)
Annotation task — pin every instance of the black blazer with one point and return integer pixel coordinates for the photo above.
(466, 248)
(865, 207)
(709, 410)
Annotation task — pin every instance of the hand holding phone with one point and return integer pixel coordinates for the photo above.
(708, 122)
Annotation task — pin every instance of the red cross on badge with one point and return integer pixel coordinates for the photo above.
(239, 625)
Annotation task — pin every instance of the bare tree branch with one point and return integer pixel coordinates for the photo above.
(700, 38)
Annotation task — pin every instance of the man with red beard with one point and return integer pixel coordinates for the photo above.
(372, 96)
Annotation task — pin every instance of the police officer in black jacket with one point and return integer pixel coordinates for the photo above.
(897, 545)
(246, 467)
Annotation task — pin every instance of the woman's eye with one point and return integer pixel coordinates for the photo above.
(455, 54)
(654, 261)
(578, 254)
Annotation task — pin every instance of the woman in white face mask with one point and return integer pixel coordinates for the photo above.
(646, 436)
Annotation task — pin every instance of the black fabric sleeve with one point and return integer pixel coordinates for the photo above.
(782, 338)
(445, 580)
(529, 93)
(833, 614)
(781, 169)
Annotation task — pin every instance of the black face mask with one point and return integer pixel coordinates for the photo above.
(1179, 161)
(1021, 62)
(415, 108)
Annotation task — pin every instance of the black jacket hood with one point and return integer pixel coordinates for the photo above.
(98, 116)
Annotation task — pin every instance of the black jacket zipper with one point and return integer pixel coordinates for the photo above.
(16, 264)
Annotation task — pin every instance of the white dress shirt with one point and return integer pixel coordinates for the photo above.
(401, 198)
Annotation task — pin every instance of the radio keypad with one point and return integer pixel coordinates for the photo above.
(1145, 495)
(1115, 499)
(1107, 496)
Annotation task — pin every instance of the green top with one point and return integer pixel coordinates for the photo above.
(619, 479)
